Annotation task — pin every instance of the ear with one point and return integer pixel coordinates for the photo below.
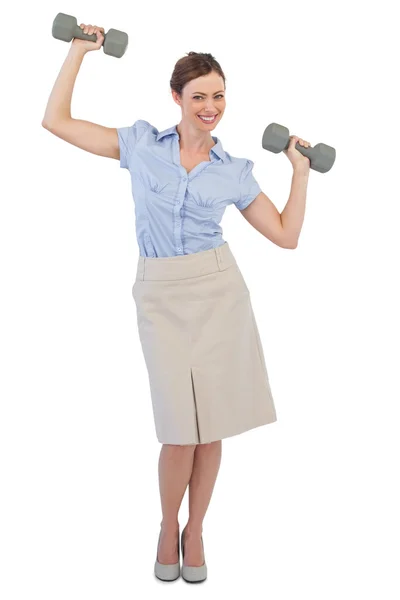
(176, 97)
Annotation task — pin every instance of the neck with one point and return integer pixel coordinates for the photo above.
(193, 140)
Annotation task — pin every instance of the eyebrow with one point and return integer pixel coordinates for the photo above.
(203, 94)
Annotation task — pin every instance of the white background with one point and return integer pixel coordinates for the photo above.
(306, 507)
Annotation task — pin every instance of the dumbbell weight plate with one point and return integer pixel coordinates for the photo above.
(64, 27)
(115, 43)
(275, 138)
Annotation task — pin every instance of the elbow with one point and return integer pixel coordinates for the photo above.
(288, 241)
(290, 245)
(48, 124)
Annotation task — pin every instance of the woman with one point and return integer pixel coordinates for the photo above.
(205, 362)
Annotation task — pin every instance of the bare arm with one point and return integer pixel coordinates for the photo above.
(283, 229)
(91, 137)
(263, 215)
(292, 215)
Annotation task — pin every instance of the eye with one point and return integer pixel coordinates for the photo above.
(219, 96)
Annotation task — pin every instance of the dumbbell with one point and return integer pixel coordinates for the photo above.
(276, 138)
(65, 28)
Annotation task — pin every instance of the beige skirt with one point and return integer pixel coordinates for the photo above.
(202, 349)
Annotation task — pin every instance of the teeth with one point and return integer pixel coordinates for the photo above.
(207, 118)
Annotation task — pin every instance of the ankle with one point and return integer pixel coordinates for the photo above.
(169, 526)
(193, 529)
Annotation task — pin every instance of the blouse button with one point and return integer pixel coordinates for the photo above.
(184, 179)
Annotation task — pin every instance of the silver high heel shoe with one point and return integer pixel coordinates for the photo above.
(193, 574)
(167, 572)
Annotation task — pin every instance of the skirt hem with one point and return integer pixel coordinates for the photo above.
(222, 437)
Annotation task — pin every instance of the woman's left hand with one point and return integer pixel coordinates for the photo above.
(296, 157)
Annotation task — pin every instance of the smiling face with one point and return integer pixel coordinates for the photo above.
(204, 96)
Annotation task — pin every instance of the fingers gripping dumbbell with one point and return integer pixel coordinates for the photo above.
(276, 138)
(65, 27)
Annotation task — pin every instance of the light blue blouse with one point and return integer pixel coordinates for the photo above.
(178, 212)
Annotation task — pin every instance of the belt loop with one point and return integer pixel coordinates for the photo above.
(219, 258)
(140, 269)
(144, 267)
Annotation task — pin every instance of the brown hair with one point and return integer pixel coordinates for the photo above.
(195, 64)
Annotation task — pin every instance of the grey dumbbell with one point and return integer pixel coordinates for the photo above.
(276, 138)
(65, 28)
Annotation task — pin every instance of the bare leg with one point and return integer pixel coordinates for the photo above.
(174, 469)
(207, 459)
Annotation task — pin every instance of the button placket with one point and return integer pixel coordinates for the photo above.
(178, 216)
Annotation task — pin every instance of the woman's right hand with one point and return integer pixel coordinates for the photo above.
(85, 44)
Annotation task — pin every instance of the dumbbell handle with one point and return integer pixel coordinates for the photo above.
(309, 152)
(321, 156)
(78, 33)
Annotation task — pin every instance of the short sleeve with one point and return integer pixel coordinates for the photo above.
(128, 137)
(248, 186)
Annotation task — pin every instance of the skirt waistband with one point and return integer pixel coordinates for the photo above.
(185, 266)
